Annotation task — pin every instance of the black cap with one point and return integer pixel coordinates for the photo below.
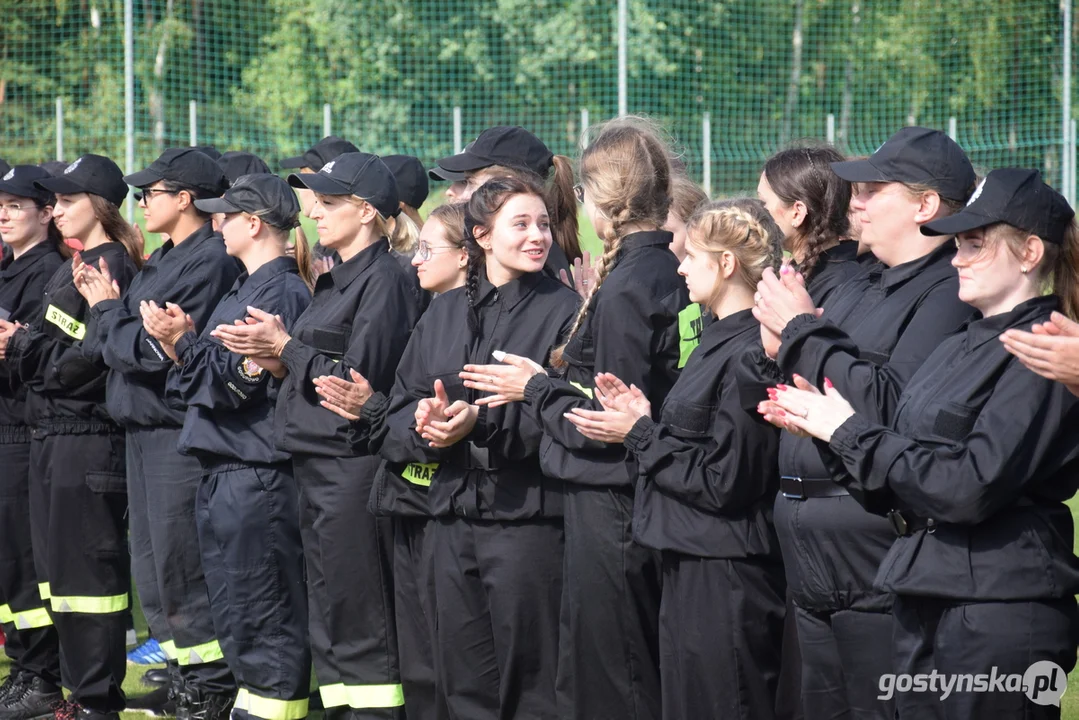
(184, 166)
(94, 174)
(19, 181)
(510, 146)
(262, 194)
(54, 167)
(411, 177)
(358, 173)
(916, 156)
(235, 163)
(4, 167)
(320, 153)
(209, 151)
(441, 173)
(1015, 196)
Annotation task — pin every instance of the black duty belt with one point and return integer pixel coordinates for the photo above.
(797, 488)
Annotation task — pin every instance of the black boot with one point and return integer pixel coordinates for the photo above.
(9, 684)
(156, 677)
(156, 703)
(88, 714)
(30, 700)
(204, 706)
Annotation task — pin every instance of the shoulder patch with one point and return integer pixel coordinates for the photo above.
(250, 372)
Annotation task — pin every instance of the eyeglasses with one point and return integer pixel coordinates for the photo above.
(425, 251)
(148, 194)
(12, 210)
(578, 190)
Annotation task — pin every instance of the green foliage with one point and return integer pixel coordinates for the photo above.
(393, 70)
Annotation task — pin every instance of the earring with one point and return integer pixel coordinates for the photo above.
(1024, 269)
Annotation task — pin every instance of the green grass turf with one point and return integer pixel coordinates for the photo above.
(133, 686)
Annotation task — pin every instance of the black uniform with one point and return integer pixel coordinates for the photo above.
(707, 480)
(31, 643)
(835, 266)
(979, 458)
(497, 546)
(608, 665)
(162, 483)
(248, 507)
(411, 270)
(78, 500)
(876, 331)
(360, 317)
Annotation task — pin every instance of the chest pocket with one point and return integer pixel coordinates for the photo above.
(329, 339)
(954, 421)
(688, 420)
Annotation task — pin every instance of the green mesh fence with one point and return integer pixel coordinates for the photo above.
(766, 73)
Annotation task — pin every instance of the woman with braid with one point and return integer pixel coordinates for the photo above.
(608, 665)
(811, 204)
(707, 476)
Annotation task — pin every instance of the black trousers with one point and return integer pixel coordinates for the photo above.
(844, 654)
(608, 656)
(78, 504)
(720, 637)
(249, 532)
(789, 692)
(414, 606)
(955, 638)
(166, 560)
(499, 588)
(32, 644)
(348, 554)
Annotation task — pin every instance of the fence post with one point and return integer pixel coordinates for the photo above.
(706, 153)
(1066, 166)
(129, 99)
(583, 141)
(1071, 163)
(623, 22)
(327, 120)
(457, 146)
(829, 128)
(953, 128)
(59, 128)
(193, 123)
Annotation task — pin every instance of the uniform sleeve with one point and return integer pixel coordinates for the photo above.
(627, 340)
(125, 344)
(380, 332)
(815, 349)
(57, 365)
(719, 473)
(211, 376)
(398, 441)
(1019, 435)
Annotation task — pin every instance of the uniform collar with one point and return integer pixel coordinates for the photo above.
(344, 273)
(981, 330)
(643, 239)
(191, 242)
(845, 251)
(105, 248)
(246, 285)
(720, 331)
(892, 276)
(13, 267)
(510, 293)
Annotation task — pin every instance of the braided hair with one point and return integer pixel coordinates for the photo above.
(626, 174)
(734, 226)
(480, 213)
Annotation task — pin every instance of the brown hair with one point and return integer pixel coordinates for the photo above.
(480, 212)
(400, 229)
(557, 195)
(53, 234)
(116, 228)
(626, 173)
(804, 174)
(1059, 268)
(686, 196)
(729, 227)
(452, 218)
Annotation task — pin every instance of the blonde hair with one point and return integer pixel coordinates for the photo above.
(401, 230)
(727, 227)
(1059, 269)
(626, 174)
(686, 196)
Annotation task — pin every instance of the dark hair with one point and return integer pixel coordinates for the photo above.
(53, 233)
(480, 211)
(804, 174)
(194, 192)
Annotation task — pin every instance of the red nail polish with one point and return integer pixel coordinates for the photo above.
(781, 387)
(828, 384)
